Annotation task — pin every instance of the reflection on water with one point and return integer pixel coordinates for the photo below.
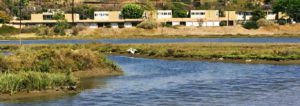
(92, 83)
(164, 82)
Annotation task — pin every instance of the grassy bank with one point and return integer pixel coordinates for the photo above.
(46, 67)
(267, 53)
(30, 81)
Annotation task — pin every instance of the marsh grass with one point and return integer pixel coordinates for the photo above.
(54, 59)
(29, 81)
(273, 52)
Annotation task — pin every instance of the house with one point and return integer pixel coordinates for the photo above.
(110, 19)
(163, 14)
(197, 14)
(45, 18)
(197, 18)
(270, 15)
(113, 19)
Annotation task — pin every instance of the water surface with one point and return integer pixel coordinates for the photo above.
(153, 82)
(171, 40)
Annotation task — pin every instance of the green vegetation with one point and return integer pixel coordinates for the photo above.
(8, 30)
(223, 23)
(282, 21)
(85, 11)
(132, 11)
(61, 24)
(4, 18)
(250, 25)
(54, 60)
(179, 10)
(258, 14)
(235, 51)
(291, 7)
(29, 81)
(49, 67)
(148, 24)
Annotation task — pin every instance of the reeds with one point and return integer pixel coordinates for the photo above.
(54, 59)
(30, 81)
(273, 52)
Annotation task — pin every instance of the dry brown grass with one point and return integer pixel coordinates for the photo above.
(267, 31)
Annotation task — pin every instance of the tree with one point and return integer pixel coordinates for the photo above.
(85, 11)
(290, 7)
(4, 18)
(179, 10)
(132, 11)
(61, 23)
(258, 14)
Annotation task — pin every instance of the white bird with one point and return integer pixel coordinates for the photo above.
(132, 50)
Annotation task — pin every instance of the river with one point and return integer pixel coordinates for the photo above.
(153, 82)
(170, 40)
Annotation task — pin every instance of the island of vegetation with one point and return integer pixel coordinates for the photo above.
(45, 70)
(258, 53)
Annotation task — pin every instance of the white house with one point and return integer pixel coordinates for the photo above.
(127, 24)
(164, 14)
(240, 15)
(248, 15)
(198, 14)
(243, 16)
(271, 16)
(101, 15)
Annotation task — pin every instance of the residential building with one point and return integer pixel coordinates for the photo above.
(113, 19)
(163, 14)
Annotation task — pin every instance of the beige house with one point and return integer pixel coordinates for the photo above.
(113, 19)
(46, 18)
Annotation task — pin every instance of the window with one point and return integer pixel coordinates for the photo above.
(48, 17)
(202, 13)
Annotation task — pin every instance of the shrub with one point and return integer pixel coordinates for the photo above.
(8, 30)
(281, 21)
(132, 11)
(166, 24)
(148, 24)
(264, 22)
(75, 30)
(85, 11)
(4, 17)
(179, 10)
(61, 26)
(223, 23)
(29, 29)
(258, 14)
(45, 31)
(250, 25)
